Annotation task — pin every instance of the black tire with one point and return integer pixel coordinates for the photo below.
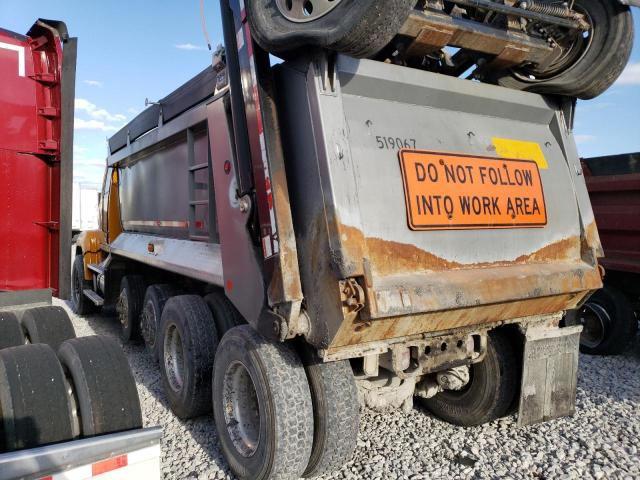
(103, 384)
(11, 334)
(597, 65)
(50, 325)
(608, 321)
(492, 387)
(34, 405)
(129, 307)
(336, 415)
(261, 406)
(80, 304)
(154, 300)
(225, 315)
(360, 28)
(189, 343)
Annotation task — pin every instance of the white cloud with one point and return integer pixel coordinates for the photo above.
(89, 162)
(133, 111)
(630, 75)
(93, 83)
(81, 124)
(97, 113)
(580, 139)
(189, 46)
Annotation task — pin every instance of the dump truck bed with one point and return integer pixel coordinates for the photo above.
(451, 203)
(420, 203)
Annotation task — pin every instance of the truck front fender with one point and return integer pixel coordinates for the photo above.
(88, 245)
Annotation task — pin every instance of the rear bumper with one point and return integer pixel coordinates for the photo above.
(458, 299)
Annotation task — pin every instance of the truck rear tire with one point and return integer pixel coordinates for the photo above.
(129, 306)
(608, 321)
(50, 325)
(360, 28)
(261, 406)
(336, 415)
(11, 334)
(80, 304)
(491, 390)
(189, 343)
(103, 383)
(154, 300)
(595, 61)
(224, 313)
(34, 403)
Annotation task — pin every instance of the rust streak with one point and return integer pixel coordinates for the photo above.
(390, 258)
(389, 328)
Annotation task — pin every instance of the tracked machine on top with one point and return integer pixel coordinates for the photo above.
(355, 225)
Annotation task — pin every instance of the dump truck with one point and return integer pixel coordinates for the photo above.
(69, 407)
(610, 316)
(292, 239)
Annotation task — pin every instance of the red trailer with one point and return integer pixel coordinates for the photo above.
(610, 317)
(60, 410)
(36, 143)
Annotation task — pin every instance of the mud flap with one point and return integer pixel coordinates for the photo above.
(549, 374)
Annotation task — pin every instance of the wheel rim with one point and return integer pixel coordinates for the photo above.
(148, 324)
(241, 409)
(174, 358)
(594, 319)
(301, 11)
(123, 311)
(574, 54)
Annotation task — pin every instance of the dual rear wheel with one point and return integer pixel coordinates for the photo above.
(279, 411)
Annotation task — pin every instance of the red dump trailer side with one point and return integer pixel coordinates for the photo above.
(614, 188)
(610, 317)
(36, 143)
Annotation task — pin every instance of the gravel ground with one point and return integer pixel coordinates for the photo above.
(600, 441)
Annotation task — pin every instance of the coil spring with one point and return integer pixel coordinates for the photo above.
(548, 9)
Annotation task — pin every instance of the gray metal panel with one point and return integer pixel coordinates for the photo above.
(42, 461)
(410, 86)
(243, 280)
(442, 114)
(155, 188)
(190, 118)
(68, 88)
(197, 260)
(24, 299)
(348, 196)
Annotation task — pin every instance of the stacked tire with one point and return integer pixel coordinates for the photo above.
(55, 387)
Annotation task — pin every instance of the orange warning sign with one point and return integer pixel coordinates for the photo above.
(455, 191)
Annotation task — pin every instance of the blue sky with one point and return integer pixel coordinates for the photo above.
(146, 48)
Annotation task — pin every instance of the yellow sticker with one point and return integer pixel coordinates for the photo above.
(520, 150)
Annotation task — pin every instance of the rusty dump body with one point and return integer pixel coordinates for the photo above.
(369, 278)
(345, 257)
(385, 215)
